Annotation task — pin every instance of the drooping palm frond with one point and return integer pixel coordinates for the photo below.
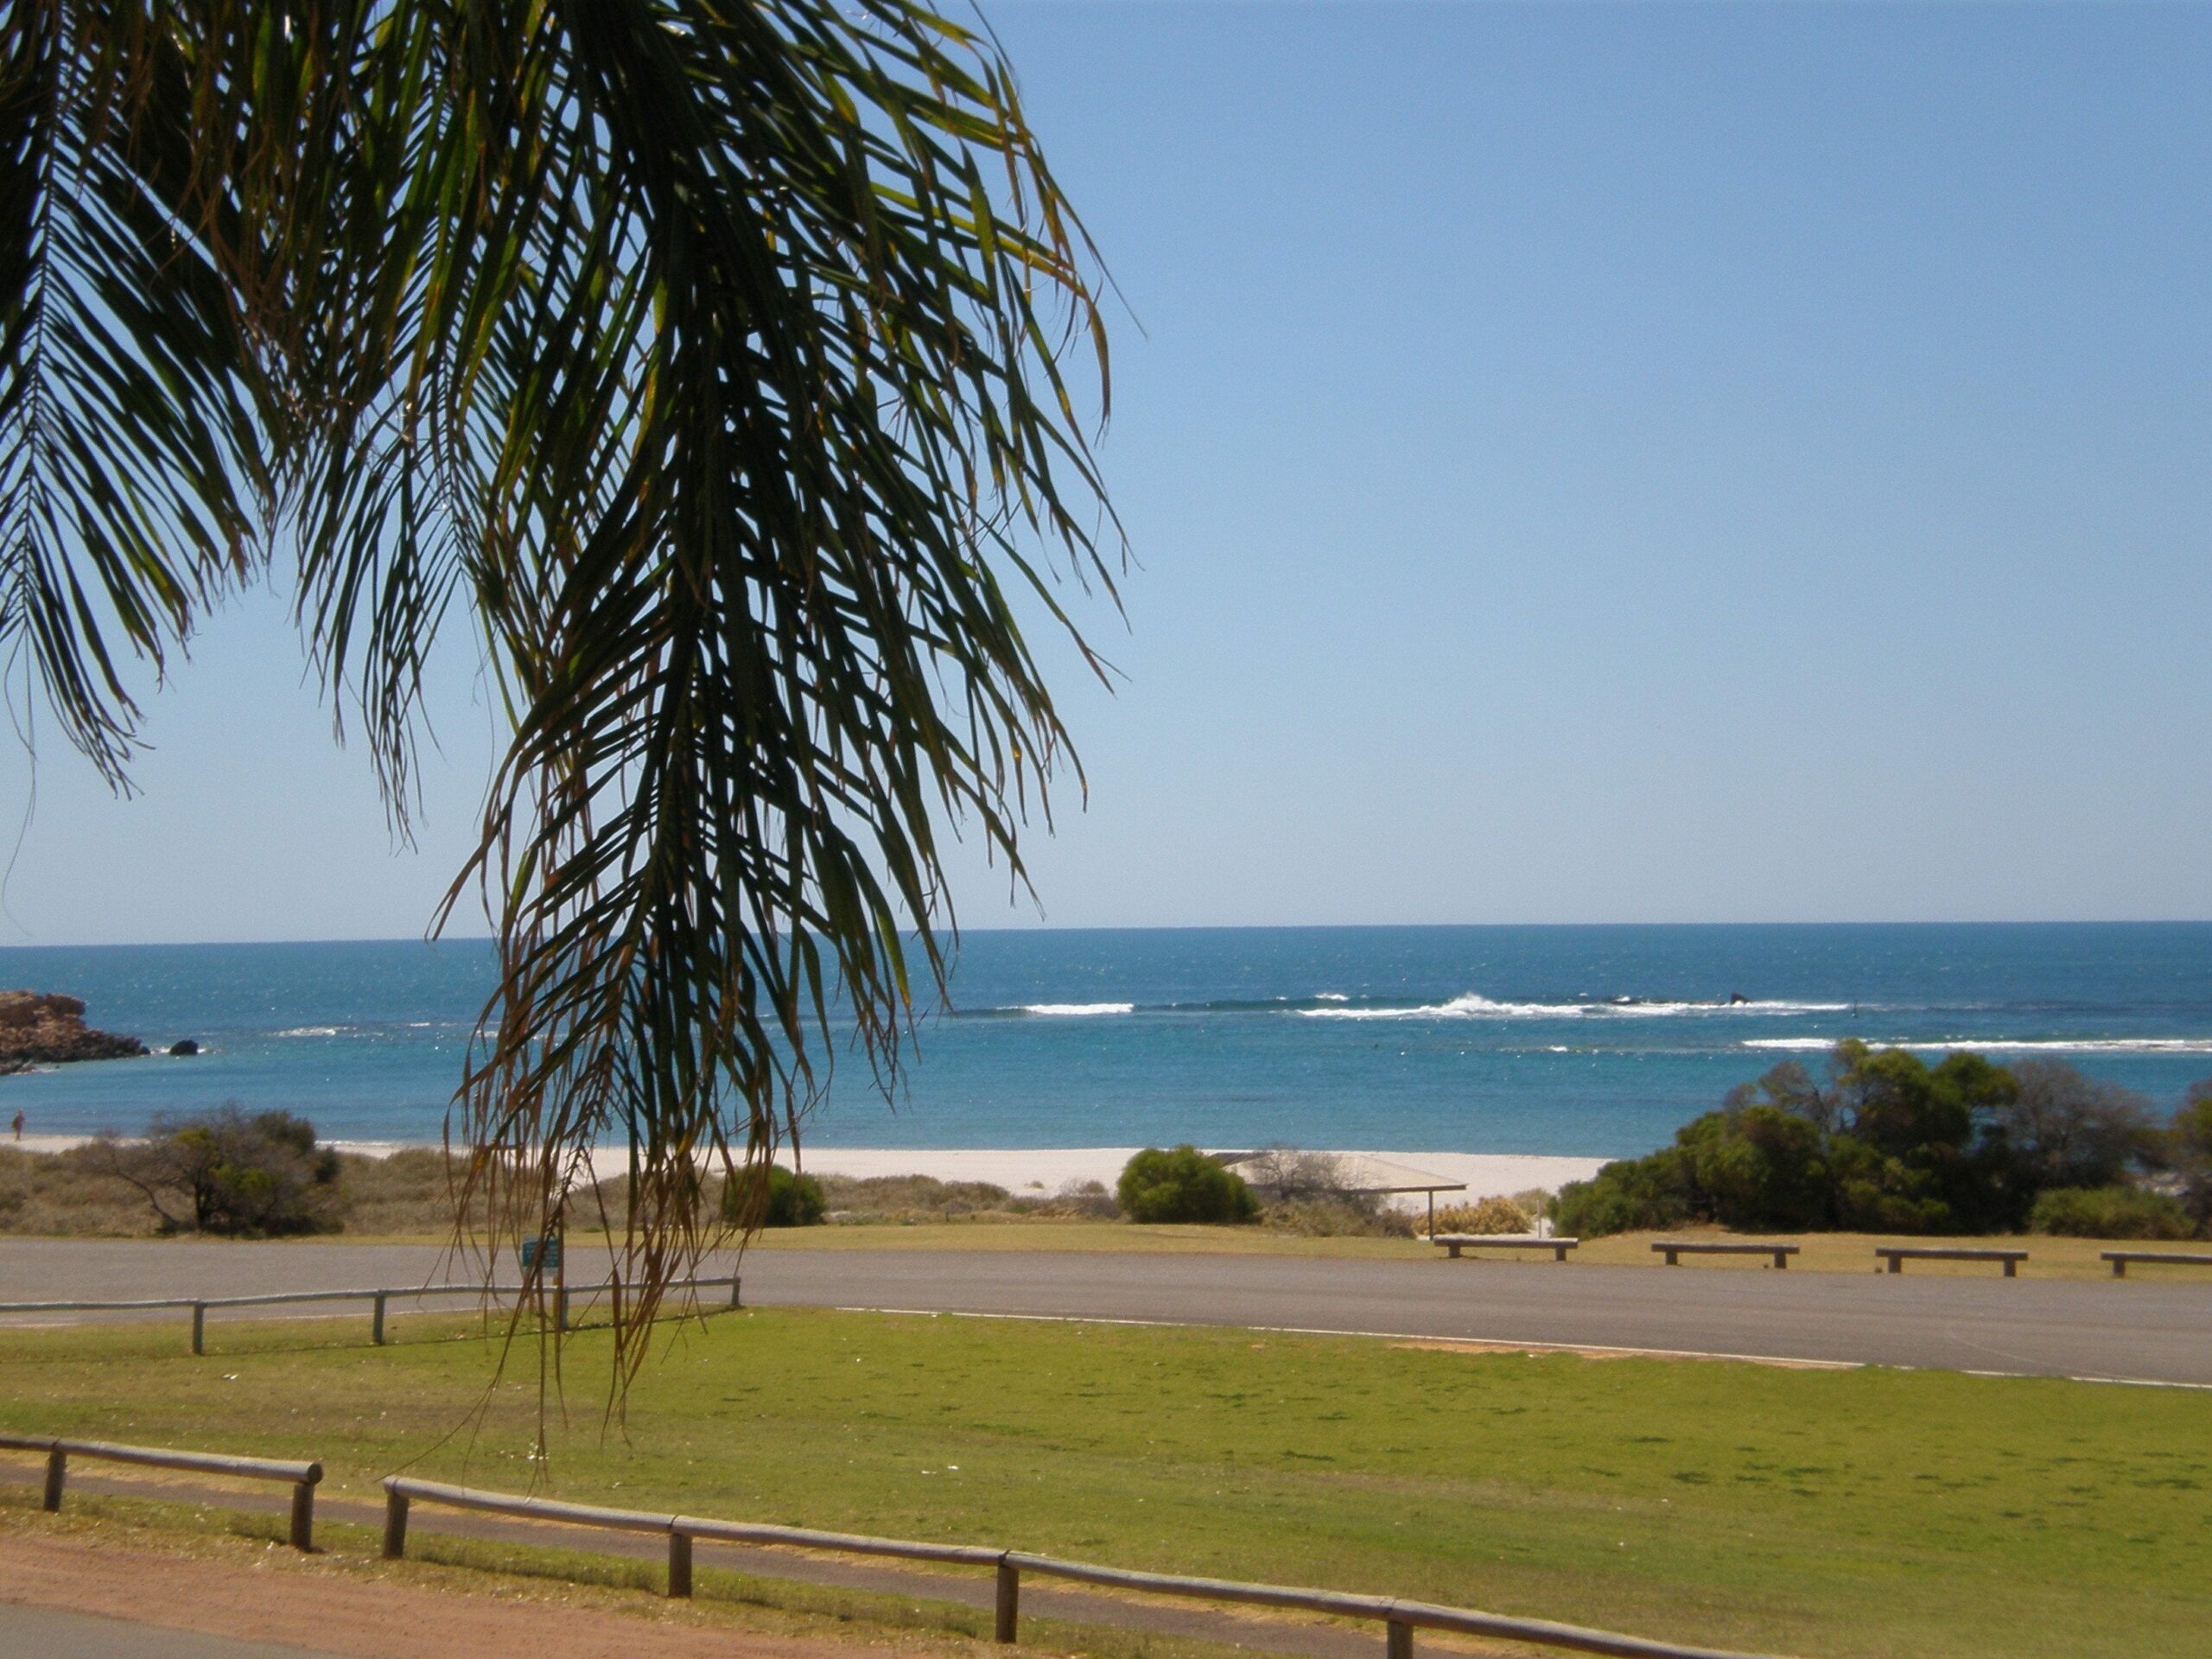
(712, 359)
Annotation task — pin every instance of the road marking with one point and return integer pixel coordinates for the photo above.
(1790, 1362)
(1510, 1343)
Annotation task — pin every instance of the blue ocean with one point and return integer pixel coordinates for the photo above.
(1592, 1041)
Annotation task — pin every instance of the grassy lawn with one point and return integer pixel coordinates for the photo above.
(1869, 1512)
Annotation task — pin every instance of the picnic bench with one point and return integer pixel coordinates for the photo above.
(1897, 1254)
(1674, 1248)
(2119, 1259)
(1456, 1243)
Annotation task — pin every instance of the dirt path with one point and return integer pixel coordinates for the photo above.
(1295, 1636)
(278, 1597)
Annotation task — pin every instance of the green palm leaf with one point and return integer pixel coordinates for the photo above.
(712, 360)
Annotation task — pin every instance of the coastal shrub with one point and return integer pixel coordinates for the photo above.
(2188, 1149)
(1631, 1195)
(780, 1200)
(1283, 1173)
(1310, 1194)
(228, 1174)
(1756, 1166)
(2063, 1130)
(1890, 1144)
(1336, 1217)
(908, 1198)
(1182, 1184)
(1075, 1201)
(68, 1194)
(1491, 1215)
(2110, 1212)
(411, 1191)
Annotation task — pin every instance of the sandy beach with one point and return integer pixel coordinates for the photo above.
(1048, 1169)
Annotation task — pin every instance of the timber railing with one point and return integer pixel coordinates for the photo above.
(303, 1477)
(561, 1297)
(1398, 1619)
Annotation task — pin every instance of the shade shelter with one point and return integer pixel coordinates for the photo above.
(1361, 1173)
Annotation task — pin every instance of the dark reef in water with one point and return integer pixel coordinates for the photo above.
(38, 1029)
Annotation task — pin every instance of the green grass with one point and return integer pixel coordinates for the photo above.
(1868, 1512)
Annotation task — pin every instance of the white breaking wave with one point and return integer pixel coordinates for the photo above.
(1333, 996)
(2010, 1045)
(310, 1031)
(1068, 1009)
(1472, 1006)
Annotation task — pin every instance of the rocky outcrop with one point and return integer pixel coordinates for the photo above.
(46, 1030)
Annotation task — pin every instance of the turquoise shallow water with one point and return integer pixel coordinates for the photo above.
(1582, 1040)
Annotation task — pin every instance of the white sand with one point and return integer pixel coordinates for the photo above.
(1048, 1169)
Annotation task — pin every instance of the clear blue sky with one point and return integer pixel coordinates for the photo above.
(1586, 463)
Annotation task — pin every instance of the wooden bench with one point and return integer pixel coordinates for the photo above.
(1456, 1243)
(1675, 1250)
(1897, 1254)
(2119, 1259)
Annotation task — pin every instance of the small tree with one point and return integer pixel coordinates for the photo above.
(2063, 1130)
(1183, 1184)
(1284, 1173)
(2189, 1148)
(771, 1196)
(225, 1173)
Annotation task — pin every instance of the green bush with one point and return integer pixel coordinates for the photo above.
(2109, 1213)
(1632, 1195)
(1890, 1144)
(1183, 1184)
(1758, 1167)
(228, 1174)
(786, 1200)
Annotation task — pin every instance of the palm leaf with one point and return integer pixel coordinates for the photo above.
(709, 360)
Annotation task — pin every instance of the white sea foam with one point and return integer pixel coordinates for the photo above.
(310, 1031)
(1472, 1006)
(1332, 996)
(2009, 1045)
(1078, 1009)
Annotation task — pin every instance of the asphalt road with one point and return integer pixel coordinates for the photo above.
(2131, 1330)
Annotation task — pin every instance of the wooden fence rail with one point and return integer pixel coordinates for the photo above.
(563, 1296)
(1399, 1618)
(303, 1477)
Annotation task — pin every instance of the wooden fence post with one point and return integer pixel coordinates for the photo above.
(679, 1563)
(303, 1515)
(200, 1327)
(1009, 1601)
(57, 1469)
(1398, 1641)
(376, 1323)
(395, 1526)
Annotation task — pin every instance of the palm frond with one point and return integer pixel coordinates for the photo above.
(717, 362)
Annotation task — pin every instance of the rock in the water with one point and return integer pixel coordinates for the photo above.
(184, 1048)
(47, 1030)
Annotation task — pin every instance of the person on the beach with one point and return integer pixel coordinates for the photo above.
(19, 1126)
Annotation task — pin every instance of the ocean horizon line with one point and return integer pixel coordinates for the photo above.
(966, 930)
